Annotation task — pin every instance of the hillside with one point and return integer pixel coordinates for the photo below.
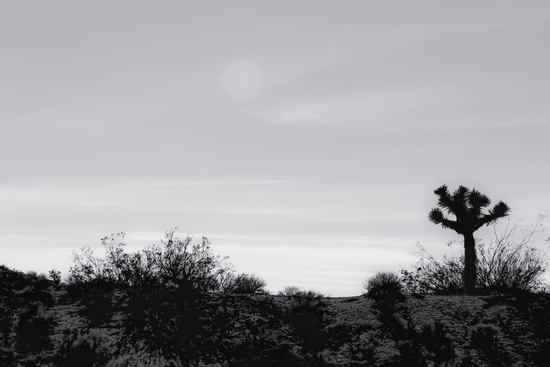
(69, 329)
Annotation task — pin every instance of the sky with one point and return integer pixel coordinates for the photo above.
(303, 138)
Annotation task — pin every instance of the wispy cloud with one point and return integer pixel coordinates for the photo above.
(359, 108)
(283, 116)
(27, 237)
(204, 183)
(472, 125)
(52, 196)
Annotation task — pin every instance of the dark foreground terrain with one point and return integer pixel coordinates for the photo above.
(44, 324)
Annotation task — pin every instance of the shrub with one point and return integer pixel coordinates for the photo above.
(505, 265)
(484, 336)
(89, 268)
(303, 299)
(165, 291)
(433, 275)
(508, 264)
(98, 302)
(306, 315)
(7, 316)
(247, 284)
(33, 328)
(174, 264)
(289, 291)
(55, 276)
(384, 286)
(30, 276)
(81, 350)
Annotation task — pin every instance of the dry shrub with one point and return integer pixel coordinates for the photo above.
(383, 286)
(506, 264)
(289, 291)
(33, 328)
(432, 275)
(82, 349)
(165, 292)
(510, 264)
(246, 284)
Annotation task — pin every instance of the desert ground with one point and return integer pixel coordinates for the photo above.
(57, 326)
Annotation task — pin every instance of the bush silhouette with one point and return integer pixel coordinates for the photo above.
(307, 317)
(55, 276)
(511, 264)
(506, 264)
(432, 275)
(165, 292)
(246, 284)
(289, 291)
(384, 286)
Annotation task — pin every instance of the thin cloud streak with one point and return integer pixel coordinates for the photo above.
(281, 116)
(474, 126)
(208, 183)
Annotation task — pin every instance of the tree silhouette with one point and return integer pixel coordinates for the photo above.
(466, 205)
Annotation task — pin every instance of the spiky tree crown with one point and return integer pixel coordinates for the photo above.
(467, 206)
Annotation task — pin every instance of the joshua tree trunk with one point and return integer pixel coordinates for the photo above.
(470, 262)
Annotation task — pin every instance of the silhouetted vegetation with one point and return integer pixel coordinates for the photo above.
(467, 207)
(384, 286)
(246, 284)
(179, 304)
(505, 265)
(33, 328)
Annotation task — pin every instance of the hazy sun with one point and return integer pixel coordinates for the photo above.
(243, 80)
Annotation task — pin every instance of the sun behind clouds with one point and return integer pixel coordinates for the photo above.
(243, 80)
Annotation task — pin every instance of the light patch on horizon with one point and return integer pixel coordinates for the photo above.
(297, 265)
(243, 80)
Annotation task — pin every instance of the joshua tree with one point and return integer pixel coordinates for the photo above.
(467, 208)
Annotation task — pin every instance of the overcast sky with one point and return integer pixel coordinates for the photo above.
(303, 138)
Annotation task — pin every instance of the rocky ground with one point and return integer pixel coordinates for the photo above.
(301, 330)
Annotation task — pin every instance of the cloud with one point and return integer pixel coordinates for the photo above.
(286, 116)
(386, 108)
(204, 183)
(53, 196)
(466, 125)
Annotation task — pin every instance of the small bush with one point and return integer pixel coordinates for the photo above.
(289, 291)
(303, 299)
(55, 276)
(384, 286)
(97, 298)
(7, 357)
(247, 284)
(307, 317)
(81, 350)
(484, 336)
(42, 282)
(508, 264)
(33, 328)
(434, 276)
(30, 276)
